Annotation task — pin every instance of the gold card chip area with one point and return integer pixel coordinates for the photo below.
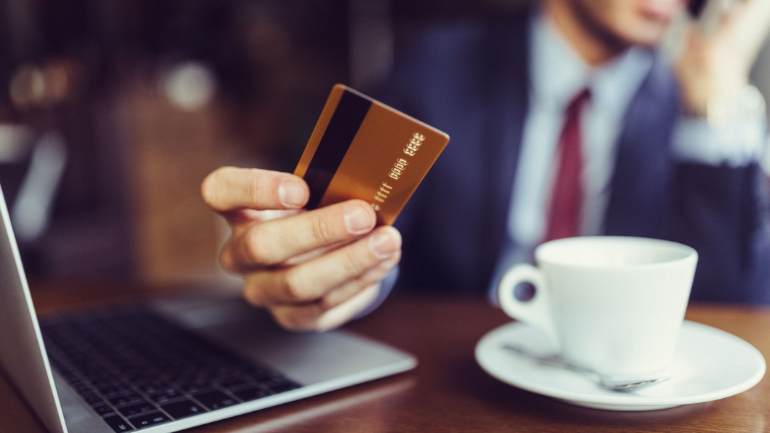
(387, 159)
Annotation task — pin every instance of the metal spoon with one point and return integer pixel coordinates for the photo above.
(554, 360)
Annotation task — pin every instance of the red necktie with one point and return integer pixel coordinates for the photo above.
(567, 195)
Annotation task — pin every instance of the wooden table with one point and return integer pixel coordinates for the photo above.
(448, 392)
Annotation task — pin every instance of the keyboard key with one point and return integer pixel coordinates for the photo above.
(136, 409)
(116, 392)
(102, 409)
(193, 386)
(136, 360)
(125, 400)
(108, 385)
(91, 398)
(164, 396)
(106, 389)
(215, 399)
(117, 423)
(182, 409)
(148, 419)
(153, 387)
(251, 393)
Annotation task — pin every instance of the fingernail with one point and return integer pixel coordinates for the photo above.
(385, 242)
(291, 193)
(357, 220)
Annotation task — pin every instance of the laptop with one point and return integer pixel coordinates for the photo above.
(166, 364)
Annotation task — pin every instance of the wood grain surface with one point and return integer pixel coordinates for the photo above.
(448, 392)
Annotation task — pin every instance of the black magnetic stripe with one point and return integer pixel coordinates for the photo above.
(339, 134)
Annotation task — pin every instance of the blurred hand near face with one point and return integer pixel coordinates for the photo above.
(713, 68)
(313, 270)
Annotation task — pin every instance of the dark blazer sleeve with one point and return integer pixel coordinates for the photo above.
(722, 211)
(416, 85)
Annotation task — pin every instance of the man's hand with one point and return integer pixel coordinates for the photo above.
(313, 270)
(714, 68)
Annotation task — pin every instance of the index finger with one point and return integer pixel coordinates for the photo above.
(230, 188)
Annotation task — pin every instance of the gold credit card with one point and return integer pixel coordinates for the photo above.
(361, 148)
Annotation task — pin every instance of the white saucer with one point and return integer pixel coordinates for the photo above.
(709, 365)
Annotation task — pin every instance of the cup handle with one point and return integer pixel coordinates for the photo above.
(535, 311)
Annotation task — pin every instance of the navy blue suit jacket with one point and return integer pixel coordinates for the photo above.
(471, 81)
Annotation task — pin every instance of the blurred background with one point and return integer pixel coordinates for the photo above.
(113, 111)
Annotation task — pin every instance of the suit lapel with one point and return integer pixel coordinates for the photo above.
(640, 180)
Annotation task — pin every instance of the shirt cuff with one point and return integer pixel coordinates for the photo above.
(386, 286)
(736, 144)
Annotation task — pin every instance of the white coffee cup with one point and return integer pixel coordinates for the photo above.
(611, 304)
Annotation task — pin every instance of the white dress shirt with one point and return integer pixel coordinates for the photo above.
(557, 74)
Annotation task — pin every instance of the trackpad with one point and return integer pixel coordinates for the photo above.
(307, 358)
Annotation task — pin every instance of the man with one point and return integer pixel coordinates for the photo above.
(564, 121)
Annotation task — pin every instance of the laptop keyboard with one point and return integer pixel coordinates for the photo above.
(137, 369)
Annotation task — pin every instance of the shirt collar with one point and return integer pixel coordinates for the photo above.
(557, 73)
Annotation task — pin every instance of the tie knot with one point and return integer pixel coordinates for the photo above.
(577, 102)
